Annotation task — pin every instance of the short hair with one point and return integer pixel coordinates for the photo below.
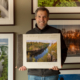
(42, 9)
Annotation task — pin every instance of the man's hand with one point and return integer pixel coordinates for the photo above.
(22, 68)
(55, 68)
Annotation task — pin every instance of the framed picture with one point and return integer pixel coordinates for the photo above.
(73, 74)
(40, 50)
(6, 12)
(57, 6)
(70, 29)
(7, 56)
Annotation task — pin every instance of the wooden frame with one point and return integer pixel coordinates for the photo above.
(7, 12)
(73, 25)
(7, 55)
(56, 10)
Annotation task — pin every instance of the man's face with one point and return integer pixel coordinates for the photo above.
(41, 19)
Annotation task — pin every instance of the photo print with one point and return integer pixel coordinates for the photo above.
(41, 50)
(58, 3)
(4, 8)
(4, 58)
(71, 35)
(57, 6)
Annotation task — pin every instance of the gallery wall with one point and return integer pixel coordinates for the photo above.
(22, 18)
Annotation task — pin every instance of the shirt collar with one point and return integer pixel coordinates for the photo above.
(40, 30)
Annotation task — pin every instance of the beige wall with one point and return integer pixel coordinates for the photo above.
(23, 18)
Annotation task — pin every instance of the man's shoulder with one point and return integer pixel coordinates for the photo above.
(53, 29)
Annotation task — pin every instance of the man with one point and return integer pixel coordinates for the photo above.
(42, 16)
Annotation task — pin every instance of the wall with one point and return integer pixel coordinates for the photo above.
(23, 18)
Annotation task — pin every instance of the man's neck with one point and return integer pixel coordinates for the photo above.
(41, 28)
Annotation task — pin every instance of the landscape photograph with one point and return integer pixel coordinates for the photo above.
(3, 59)
(41, 51)
(71, 35)
(58, 3)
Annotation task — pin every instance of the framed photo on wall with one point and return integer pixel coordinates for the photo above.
(41, 50)
(70, 29)
(6, 12)
(7, 56)
(57, 6)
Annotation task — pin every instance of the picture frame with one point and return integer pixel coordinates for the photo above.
(69, 74)
(38, 56)
(7, 12)
(66, 25)
(56, 10)
(7, 55)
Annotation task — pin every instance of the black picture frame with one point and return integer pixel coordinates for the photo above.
(60, 21)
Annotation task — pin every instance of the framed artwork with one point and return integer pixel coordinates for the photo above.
(70, 29)
(73, 74)
(40, 50)
(7, 56)
(6, 12)
(57, 6)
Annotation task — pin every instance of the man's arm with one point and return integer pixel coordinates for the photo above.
(63, 50)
